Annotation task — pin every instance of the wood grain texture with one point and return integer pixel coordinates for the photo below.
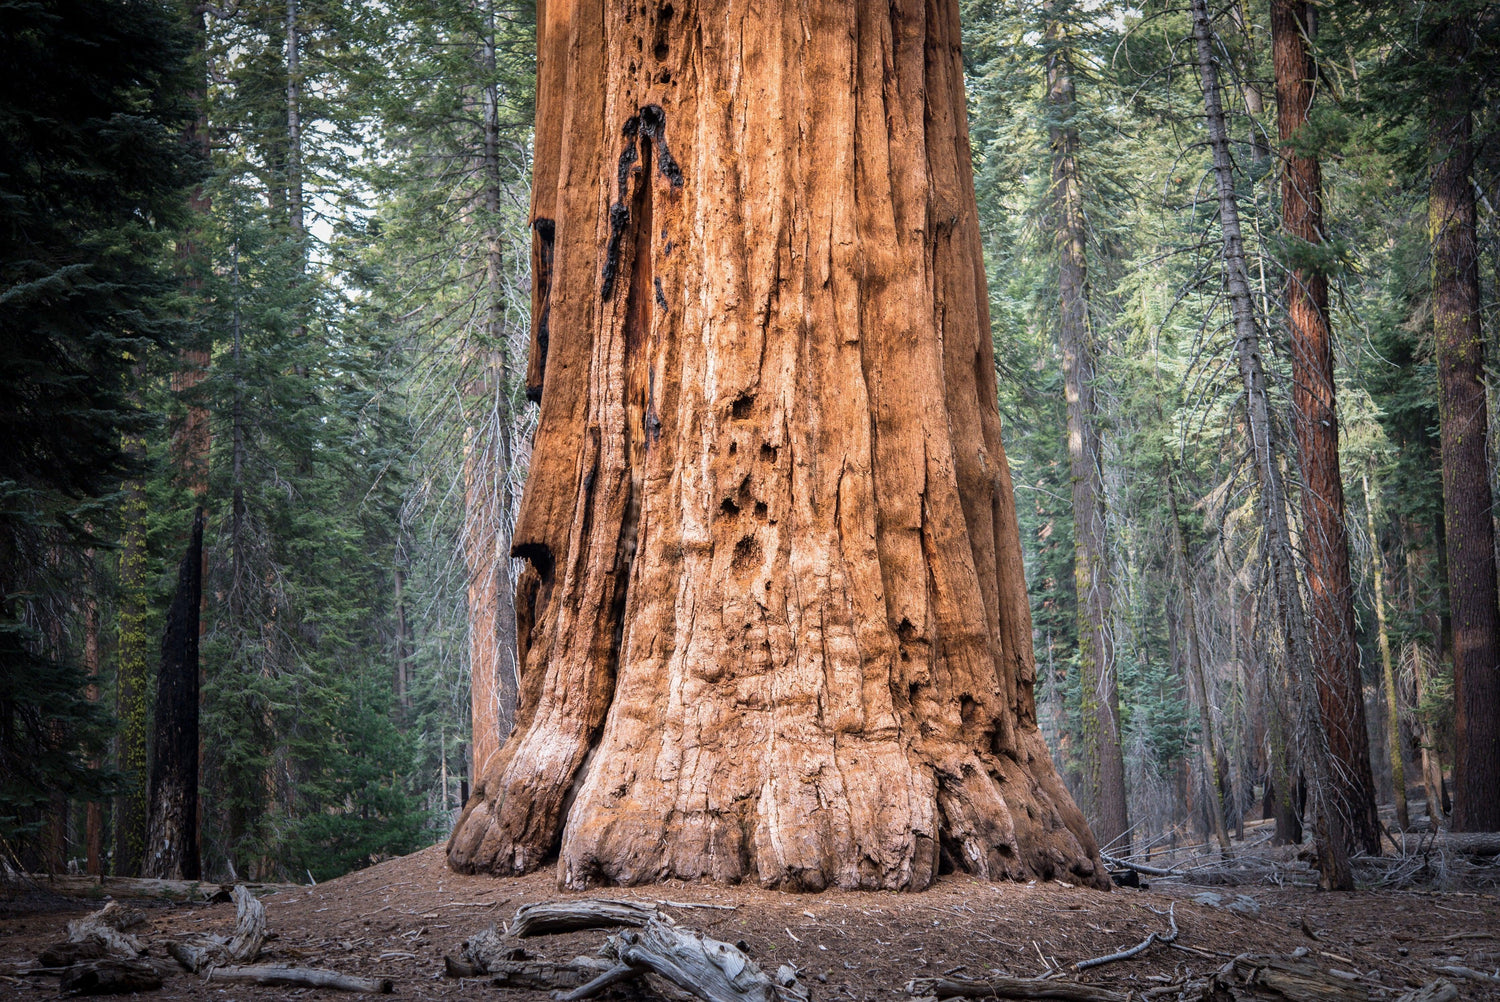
(774, 625)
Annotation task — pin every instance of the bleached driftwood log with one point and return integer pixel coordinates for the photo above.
(300, 977)
(712, 970)
(249, 925)
(244, 946)
(544, 917)
(97, 936)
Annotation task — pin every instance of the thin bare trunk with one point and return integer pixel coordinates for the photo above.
(1332, 857)
(489, 504)
(1388, 673)
(94, 817)
(1416, 545)
(1099, 701)
(401, 680)
(294, 192)
(1213, 755)
(1255, 101)
(132, 679)
(1334, 653)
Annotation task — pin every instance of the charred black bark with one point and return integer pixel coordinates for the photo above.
(172, 834)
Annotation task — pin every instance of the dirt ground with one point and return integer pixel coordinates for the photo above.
(399, 918)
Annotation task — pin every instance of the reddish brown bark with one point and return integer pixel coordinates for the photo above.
(774, 625)
(1330, 590)
(1467, 501)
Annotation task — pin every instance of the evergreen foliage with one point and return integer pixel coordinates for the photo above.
(92, 173)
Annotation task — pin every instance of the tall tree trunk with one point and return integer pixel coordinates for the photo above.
(94, 813)
(1472, 593)
(172, 832)
(401, 680)
(132, 679)
(777, 391)
(1325, 546)
(1332, 857)
(1245, 70)
(1388, 673)
(487, 493)
(1213, 754)
(1414, 542)
(294, 194)
(191, 439)
(1100, 701)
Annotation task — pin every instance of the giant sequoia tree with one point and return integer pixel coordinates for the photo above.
(773, 624)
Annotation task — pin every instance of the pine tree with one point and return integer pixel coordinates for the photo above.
(93, 172)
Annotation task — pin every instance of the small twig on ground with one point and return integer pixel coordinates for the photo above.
(1139, 948)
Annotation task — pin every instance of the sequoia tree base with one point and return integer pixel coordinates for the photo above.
(774, 624)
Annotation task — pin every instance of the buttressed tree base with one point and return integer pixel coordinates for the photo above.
(773, 624)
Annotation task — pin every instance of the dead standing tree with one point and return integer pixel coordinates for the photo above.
(773, 624)
(1291, 615)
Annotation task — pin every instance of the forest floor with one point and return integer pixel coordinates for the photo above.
(397, 919)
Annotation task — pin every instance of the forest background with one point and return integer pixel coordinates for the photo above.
(271, 260)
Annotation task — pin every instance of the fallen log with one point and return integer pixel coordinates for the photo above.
(1294, 979)
(111, 976)
(249, 925)
(611, 976)
(1011, 988)
(479, 953)
(242, 947)
(1469, 973)
(545, 917)
(712, 970)
(97, 936)
(543, 975)
(300, 977)
(1463, 843)
(66, 954)
(83, 885)
(1438, 991)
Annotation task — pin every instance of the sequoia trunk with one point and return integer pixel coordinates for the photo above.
(1472, 594)
(773, 624)
(1330, 591)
